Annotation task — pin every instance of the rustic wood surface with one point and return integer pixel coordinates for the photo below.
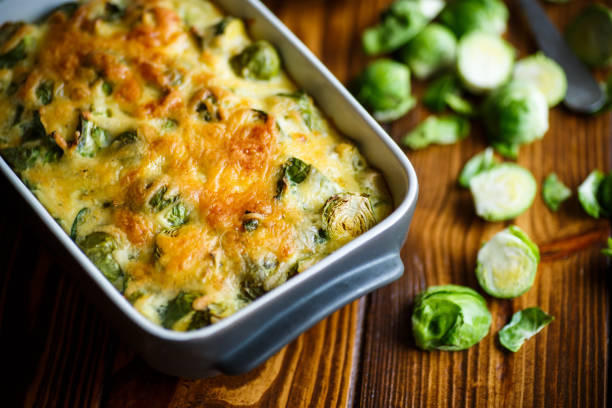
(58, 351)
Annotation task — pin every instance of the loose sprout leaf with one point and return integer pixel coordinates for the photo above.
(446, 92)
(347, 215)
(177, 215)
(523, 325)
(515, 114)
(430, 51)
(384, 89)
(257, 61)
(507, 150)
(503, 192)
(449, 317)
(439, 130)
(589, 34)
(44, 92)
(587, 194)
(10, 58)
(177, 308)
(554, 192)
(78, 220)
(481, 162)
(507, 264)
(544, 74)
(477, 53)
(608, 251)
(463, 16)
(159, 200)
(99, 247)
(399, 24)
(604, 194)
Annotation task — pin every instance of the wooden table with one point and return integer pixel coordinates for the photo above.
(59, 352)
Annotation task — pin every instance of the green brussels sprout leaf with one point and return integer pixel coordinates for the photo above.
(445, 91)
(178, 308)
(10, 58)
(99, 247)
(608, 251)
(554, 192)
(507, 264)
(523, 325)
(44, 92)
(306, 108)
(481, 162)
(543, 73)
(78, 220)
(587, 194)
(91, 138)
(439, 130)
(450, 318)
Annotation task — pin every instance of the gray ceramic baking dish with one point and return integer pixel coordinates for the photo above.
(246, 339)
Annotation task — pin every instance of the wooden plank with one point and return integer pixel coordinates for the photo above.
(567, 363)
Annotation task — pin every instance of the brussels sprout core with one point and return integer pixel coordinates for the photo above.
(348, 215)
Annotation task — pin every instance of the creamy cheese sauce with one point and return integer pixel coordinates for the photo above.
(129, 123)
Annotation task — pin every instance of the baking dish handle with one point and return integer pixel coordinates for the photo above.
(314, 306)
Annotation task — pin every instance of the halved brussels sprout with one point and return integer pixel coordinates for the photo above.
(463, 16)
(524, 325)
(384, 89)
(449, 317)
(515, 114)
(554, 192)
(507, 264)
(590, 35)
(99, 247)
(543, 73)
(347, 215)
(481, 162)
(430, 51)
(503, 192)
(442, 130)
(257, 61)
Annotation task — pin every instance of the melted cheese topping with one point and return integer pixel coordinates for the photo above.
(195, 202)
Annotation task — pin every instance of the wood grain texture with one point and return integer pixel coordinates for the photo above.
(60, 352)
(567, 363)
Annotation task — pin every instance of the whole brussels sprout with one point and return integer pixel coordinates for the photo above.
(431, 50)
(384, 89)
(463, 16)
(347, 215)
(449, 317)
(515, 114)
(257, 61)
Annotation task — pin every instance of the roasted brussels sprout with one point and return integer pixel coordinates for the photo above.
(294, 171)
(257, 61)
(503, 192)
(430, 51)
(481, 162)
(449, 317)
(161, 200)
(508, 263)
(515, 114)
(554, 192)
(178, 308)
(524, 325)
(590, 35)
(439, 130)
(399, 23)
(384, 89)
(347, 215)
(543, 73)
(91, 138)
(99, 247)
(463, 16)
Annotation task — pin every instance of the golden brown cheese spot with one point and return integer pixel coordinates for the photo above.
(137, 227)
(155, 26)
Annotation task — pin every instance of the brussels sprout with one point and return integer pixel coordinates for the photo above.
(463, 16)
(78, 220)
(160, 201)
(523, 325)
(604, 194)
(125, 138)
(507, 264)
(309, 116)
(178, 308)
(294, 171)
(347, 215)
(399, 24)
(44, 92)
(430, 51)
(257, 61)
(201, 318)
(445, 91)
(256, 278)
(484, 61)
(384, 89)
(99, 247)
(503, 192)
(587, 194)
(515, 114)
(449, 317)
(439, 130)
(10, 58)
(590, 35)
(476, 165)
(543, 73)
(91, 138)
(176, 216)
(554, 192)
